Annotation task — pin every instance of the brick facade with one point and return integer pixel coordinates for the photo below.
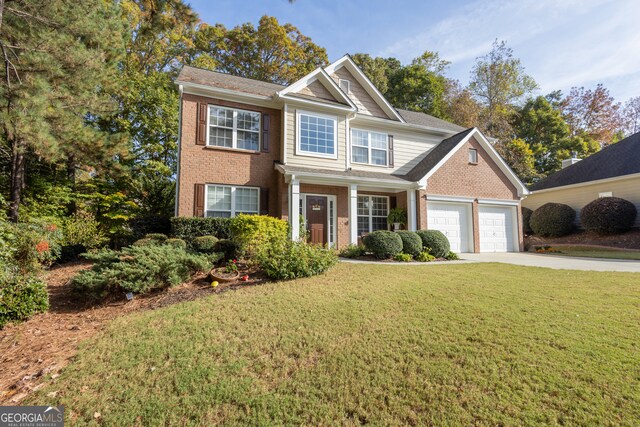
(211, 165)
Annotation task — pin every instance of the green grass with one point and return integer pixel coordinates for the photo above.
(592, 252)
(474, 344)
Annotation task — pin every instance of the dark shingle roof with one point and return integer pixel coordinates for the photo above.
(227, 81)
(622, 158)
(436, 154)
(422, 119)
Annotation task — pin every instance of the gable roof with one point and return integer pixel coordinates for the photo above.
(217, 79)
(442, 152)
(422, 119)
(320, 75)
(619, 159)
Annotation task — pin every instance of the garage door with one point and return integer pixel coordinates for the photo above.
(495, 225)
(452, 220)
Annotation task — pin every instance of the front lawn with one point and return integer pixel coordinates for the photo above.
(484, 344)
(595, 252)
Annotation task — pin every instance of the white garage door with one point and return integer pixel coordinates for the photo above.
(496, 228)
(452, 220)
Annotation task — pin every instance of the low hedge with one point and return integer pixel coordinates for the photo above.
(608, 215)
(553, 220)
(21, 297)
(188, 228)
(526, 217)
(435, 242)
(252, 231)
(383, 244)
(411, 242)
(285, 259)
(204, 244)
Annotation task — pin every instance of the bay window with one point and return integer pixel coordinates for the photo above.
(369, 147)
(372, 213)
(228, 201)
(233, 128)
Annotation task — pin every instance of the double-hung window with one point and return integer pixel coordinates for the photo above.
(233, 128)
(372, 213)
(369, 147)
(227, 201)
(317, 135)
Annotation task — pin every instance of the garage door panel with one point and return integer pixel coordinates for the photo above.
(496, 228)
(451, 220)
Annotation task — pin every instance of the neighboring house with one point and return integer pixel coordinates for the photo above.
(330, 150)
(612, 171)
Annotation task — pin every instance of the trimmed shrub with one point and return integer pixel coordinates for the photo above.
(138, 269)
(425, 256)
(411, 242)
(352, 251)
(158, 237)
(228, 248)
(143, 225)
(21, 297)
(145, 242)
(434, 242)
(402, 257)
(553, 220)
(608, 215)
(383, 244)
(189, 227)
(177, 243)
(204, 244)
(526, 217)
(251, 231)
(284, 259)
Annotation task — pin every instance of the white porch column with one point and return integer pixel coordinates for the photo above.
(411, 210)
(294, 209)
(353, 214)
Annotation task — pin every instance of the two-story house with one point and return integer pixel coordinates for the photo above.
(331, 154)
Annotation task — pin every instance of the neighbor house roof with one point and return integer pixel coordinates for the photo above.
(619, 159)
(227, 81)
(436, 155)
(422, 119)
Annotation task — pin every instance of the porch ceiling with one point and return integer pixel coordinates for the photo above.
(346, 177)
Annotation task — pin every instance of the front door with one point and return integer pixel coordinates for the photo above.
(317, 219)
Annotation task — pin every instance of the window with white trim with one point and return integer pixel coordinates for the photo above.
(372, 213)
(233, 128)
(345, 85)
(228, 201)
(473, 156)
(369, 147)
(317, 135)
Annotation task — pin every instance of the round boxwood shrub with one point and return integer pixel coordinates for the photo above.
(552, 220)
(178, 243)
(229, 248)
(526, 217)
(437, 242)
(383, 244)
(411, 242)
(158, 237)
(145, 242)
(204, 244)
(608, 215)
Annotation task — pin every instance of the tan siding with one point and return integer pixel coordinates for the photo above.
(293, 159)
(359, 96)
(578, 197)
(318, 90)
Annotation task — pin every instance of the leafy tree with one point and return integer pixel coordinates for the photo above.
(271, 52)
(593, 114)
(460, 105)
(499, 82)
(60, 59)
(632, 115)
(377, 69)
(519, 157)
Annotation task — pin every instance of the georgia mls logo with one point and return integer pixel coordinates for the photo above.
(31, 416)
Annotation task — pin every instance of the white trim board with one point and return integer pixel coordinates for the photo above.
(324, 78)
(587, 183)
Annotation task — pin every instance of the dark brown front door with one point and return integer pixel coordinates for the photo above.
(317, 219)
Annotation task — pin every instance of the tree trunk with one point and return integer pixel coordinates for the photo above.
(71, 178)
(17, 177)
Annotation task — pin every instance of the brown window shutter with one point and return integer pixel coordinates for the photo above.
(264, 201)
(390, 151)
(266, 122)
(201, 128)
(198, 200)
(393, 202)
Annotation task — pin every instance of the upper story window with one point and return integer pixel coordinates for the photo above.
(227, 201)
(317, 135)
(345, 85)
(233, 128)
(473, 156)
(369, 147)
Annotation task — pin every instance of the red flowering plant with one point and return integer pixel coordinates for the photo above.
(232, 266)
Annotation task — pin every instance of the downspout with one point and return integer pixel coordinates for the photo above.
(180, 91)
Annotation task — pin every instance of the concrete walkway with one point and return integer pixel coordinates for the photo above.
(557, 262)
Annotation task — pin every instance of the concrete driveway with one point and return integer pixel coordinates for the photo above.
(557, 262)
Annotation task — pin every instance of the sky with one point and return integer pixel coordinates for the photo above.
(561, 43)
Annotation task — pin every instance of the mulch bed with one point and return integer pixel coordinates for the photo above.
(37, 349)
(628, 240)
